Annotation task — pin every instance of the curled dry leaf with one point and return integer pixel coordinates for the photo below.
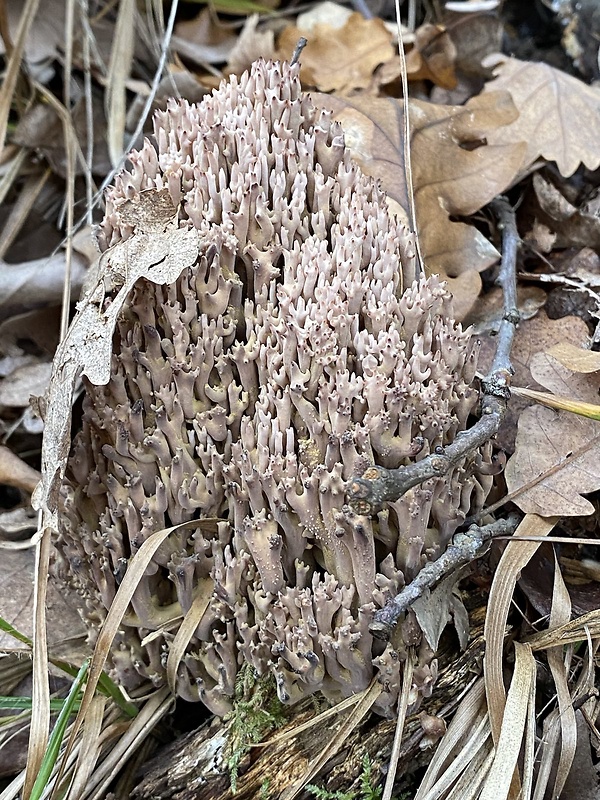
(559, 115)
(36, 283)
(157, 250)
(433, 57)
(23, 382)
(342, 59)
(203, 40)
(572, 226)
(450, 176)
(546, 437)
(251, 44)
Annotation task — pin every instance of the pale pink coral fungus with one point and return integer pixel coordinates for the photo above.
(296, 352)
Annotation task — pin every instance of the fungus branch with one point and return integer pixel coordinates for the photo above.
(377, 485)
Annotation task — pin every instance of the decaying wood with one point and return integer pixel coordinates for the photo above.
(193, 766)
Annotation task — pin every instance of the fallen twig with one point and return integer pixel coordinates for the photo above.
(465, 547)
(378, 485)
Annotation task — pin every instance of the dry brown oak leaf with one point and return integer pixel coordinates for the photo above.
(545, 437)
(340, 59)
(559, 116)
(535, 335)
(433, 57)
(454, 171)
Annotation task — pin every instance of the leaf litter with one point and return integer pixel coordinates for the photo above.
(526, 116)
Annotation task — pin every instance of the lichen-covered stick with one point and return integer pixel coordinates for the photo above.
(378, 485)
(465, 547)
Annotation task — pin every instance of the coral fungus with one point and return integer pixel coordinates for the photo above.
(296, 352)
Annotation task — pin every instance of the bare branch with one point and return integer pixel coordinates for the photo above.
(465, 547)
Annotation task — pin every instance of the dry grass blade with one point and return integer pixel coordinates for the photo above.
(137, 732)
(11, 173)
(406, 145)
(40, 692)
(467, 716)
(550, 734)
(204, 592)
(135, 571)
(500, 777)
(515, 557)
(577, 630)
(89, 749)
(298, 729)
(337, 741)
(468, 785)
(14, 64)
(121, 59)
(402, 706)
(529, 747)
(14, 787)
(29, 193)
(559, 661)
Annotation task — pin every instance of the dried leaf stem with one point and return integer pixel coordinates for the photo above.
(378, 485)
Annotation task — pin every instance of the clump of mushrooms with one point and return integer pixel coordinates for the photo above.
(297, 351)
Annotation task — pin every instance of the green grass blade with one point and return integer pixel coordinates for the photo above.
(8, 628)
(109, 688)
(24, 703)
(58, 733)
(105, 685)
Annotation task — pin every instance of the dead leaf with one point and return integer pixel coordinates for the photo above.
(540, 237)
(572, 226)
(475, 36)
(545, 437)
(575, 358)
(435, 609)
(251, 44)
(202, 40)
(38, 282)
(465, 291)
(158, 250)
(41, 129)
(16, 601)
(15, 472)
(433, 57)
(16, 523)
(343, 59)
(561, 380)
(327, 13)
(46, 35)
(489, 311)
(559, 115)
(449, 176)
(533, 336)
(30, 379)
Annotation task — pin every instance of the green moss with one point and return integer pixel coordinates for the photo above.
(256, 712)
(367, 790)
